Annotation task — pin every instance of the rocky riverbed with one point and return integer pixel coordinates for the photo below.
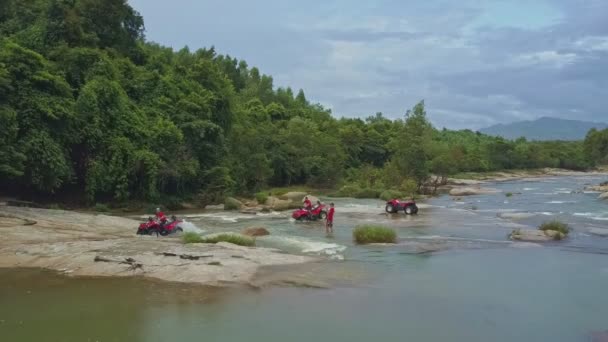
(80, 244)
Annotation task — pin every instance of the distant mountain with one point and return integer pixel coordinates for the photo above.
(544, 129)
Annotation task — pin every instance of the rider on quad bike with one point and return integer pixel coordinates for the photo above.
(160, 216)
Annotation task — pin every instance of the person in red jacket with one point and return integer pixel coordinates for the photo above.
(329, 222)
(160, 216)
(307, 204)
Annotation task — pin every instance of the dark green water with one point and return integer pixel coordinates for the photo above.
(476, 287)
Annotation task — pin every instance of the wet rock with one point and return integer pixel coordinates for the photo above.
(455, 181)
(603, 196)
(256, 231)
(101, 245)
(536, 235)
(470, 191)
(249, 211)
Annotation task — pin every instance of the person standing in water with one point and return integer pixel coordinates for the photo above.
(329, 221)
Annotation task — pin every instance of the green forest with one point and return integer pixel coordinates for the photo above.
(90, 109)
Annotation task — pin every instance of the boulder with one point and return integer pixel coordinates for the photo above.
(536, 235)
(600, 188)
(188, 205)
(312, 198)
(255, 231)
(232, 204)
(603, 196)
(295, 196)
(470, 191)
(277, 204)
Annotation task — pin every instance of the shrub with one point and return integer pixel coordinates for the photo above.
(232, 204)
(374, 234)
(367, 193)
(173, 203)
(388, 195)
(261, 197)
(102, 208)
(240, 240)
(191, 237)
(555, 225)
(348, 191)
(509, 194)
(409, 187)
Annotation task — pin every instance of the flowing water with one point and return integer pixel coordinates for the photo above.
(453, 276)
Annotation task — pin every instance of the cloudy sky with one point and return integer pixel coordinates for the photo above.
(474, 62)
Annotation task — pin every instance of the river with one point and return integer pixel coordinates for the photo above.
(454, 276)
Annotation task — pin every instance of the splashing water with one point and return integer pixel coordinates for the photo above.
(190, 227)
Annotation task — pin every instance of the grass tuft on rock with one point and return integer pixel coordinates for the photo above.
(509, 194)
(191, 237)
(374, 234)
(556, 226)
(231, 238)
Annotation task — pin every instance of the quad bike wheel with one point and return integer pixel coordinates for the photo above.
(323, 215)
(164, 232)
(409, 210)
(390, 209)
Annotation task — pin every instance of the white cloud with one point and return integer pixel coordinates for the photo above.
(545, 58)
(592, 43)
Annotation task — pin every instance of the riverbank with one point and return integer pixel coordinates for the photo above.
(79, 244)
(473, 178)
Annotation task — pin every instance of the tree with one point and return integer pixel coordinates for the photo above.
(410, 148)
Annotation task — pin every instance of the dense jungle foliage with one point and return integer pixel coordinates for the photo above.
(89, 108)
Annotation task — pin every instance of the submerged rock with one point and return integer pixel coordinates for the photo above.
(599, 231)
(470, 191)
(603, 196)
(256, 231)
(515, 216)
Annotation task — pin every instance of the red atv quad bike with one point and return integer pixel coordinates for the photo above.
(163, 228)
(409, 207)
(318, 213)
